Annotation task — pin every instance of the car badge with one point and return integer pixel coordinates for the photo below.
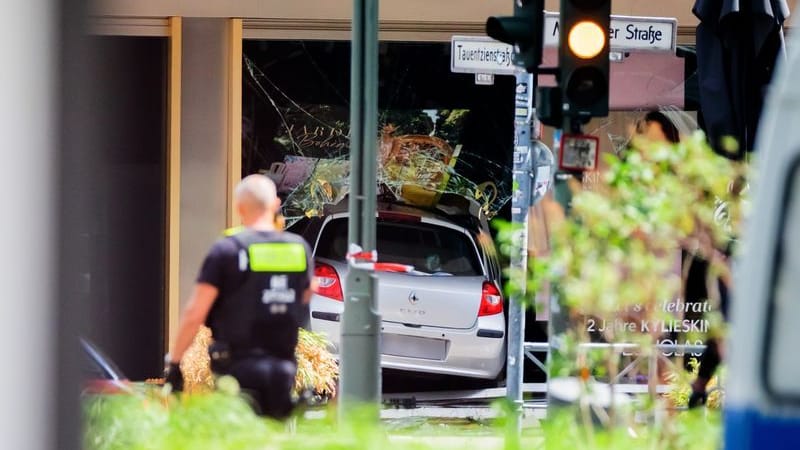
(412, 298)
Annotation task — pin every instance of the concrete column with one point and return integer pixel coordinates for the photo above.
(29, 199)
(204, 141)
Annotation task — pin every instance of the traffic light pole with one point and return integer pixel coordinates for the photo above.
(557, 322)
(558, 316)
(523, 178)
(582, 93)
(360, 375)
(583, 77)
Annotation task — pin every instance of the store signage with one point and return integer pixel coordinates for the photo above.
(482, 54)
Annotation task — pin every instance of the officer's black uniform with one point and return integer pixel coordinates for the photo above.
(261, 277)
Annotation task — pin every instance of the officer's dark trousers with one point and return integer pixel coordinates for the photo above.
(268, 381)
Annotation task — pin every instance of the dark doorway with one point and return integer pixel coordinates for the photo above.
(126, 244)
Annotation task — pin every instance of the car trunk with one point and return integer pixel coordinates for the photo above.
(441, 301)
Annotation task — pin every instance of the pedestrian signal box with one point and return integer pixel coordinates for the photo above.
(523, 30)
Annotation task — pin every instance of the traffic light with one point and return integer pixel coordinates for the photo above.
(524, 30)
(583, 57)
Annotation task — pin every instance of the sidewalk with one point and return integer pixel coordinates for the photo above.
(466, 442)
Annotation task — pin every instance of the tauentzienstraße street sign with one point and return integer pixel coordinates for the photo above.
(482, 54)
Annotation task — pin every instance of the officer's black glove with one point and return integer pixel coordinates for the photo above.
(699, 395)
(697, 398)
(174, 376)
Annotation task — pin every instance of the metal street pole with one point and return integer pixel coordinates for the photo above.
(558, 320)
(520, 204)
(360, 377)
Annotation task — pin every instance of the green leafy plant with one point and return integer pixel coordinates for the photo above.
(680, 386)
(615, 257)
(697, 430)
(616, 267)
(156, 419)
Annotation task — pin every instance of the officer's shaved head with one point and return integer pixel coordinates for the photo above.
(256, 194)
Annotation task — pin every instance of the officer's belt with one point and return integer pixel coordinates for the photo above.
(241, 353)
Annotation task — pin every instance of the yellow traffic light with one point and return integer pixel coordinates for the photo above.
(586, 39)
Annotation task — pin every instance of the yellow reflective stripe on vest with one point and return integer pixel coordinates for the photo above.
(277, 257)
(231, 231)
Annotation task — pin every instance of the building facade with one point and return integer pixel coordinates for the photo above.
(181, 91)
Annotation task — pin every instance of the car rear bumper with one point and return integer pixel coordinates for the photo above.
(477, 352)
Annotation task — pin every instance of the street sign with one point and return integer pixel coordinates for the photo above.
(482, 54)
(627, 32)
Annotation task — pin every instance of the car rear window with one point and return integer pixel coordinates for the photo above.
(429, 248)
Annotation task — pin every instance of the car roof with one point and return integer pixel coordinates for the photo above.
(451, 208)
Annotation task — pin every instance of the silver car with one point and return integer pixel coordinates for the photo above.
(445, 317)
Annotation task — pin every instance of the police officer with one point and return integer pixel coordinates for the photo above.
(253, 292)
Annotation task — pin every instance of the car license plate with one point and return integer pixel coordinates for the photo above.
(413, 347)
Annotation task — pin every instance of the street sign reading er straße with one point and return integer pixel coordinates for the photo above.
(471, 54)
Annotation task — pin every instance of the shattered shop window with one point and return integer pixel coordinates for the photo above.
(438, 132)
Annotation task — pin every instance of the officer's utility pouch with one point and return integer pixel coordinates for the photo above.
(220, 354)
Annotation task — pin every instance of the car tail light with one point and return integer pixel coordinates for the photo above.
(491, 300)
(327, 282)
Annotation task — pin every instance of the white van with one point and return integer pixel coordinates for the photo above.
(762, 408)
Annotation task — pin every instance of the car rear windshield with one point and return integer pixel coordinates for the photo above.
(429, 248)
